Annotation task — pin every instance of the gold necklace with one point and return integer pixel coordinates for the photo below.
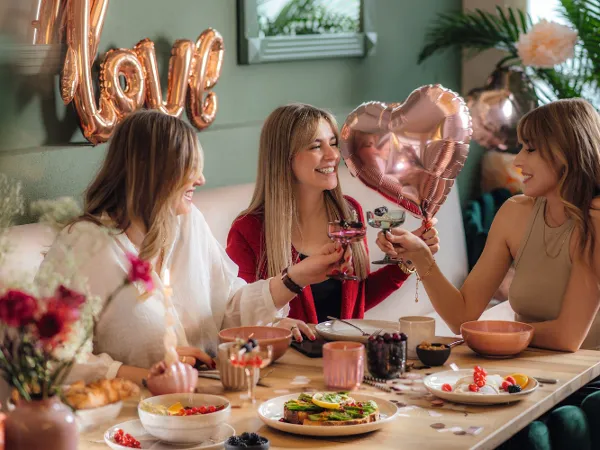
(565, 232)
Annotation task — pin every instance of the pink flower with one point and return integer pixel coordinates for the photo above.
(140, 271)
(17, 308)
(546, 44)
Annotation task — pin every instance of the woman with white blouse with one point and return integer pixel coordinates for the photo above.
(140, 203)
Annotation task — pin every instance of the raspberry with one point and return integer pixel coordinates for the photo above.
(506, 385)
(473, 388)
(511, 380)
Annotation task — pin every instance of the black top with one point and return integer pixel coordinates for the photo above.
(327, 297)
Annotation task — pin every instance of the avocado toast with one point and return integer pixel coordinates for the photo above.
(329, 409)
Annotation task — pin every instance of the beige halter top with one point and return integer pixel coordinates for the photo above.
(542, 272)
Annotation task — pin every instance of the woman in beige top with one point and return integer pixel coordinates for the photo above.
(549, 233)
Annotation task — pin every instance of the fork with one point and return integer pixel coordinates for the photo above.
(348, 323)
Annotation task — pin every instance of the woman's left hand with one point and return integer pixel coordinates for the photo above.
(297, 327)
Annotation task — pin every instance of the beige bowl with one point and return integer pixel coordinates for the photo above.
(184, 429)
(497, 338)
(278, 338)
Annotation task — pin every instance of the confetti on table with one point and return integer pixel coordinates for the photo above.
(437, 426)
(300, 380)
(434, 413)
(244, 396)
(474, 430)
(460, 432)
(281, 391)
(437, 402)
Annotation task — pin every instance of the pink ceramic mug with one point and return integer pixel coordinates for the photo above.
(343, 365)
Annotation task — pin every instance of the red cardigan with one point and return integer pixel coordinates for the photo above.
(245, 245)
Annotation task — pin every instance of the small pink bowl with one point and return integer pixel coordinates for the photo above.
(279, 338)
(497, 338)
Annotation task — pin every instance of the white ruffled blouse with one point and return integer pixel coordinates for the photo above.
(207, 294)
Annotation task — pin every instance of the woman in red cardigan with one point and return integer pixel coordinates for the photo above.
(297, 192)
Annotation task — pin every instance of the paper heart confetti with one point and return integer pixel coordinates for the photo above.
(409, 152)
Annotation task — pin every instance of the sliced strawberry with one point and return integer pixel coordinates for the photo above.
(446, 387)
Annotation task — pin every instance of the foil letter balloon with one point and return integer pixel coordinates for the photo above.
(409, 152)
(497, 108)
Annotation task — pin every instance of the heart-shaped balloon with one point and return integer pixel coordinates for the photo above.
(409, 152)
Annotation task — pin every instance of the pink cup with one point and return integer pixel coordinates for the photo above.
(343, 365)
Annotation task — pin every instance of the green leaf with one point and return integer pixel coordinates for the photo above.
(476, 30)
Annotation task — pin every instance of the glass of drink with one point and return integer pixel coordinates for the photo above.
(386, 220)
(345, 233)
(251, 359)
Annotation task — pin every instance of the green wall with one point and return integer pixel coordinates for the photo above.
(45, 149)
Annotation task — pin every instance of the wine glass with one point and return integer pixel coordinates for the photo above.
(386, 220)
(345, 233)
(256, 359)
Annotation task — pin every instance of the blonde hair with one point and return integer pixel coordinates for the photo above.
(150, 158)
(288, 130)
(567, 135)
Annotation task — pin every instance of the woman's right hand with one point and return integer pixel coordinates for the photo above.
(315, 268)
(400, 243)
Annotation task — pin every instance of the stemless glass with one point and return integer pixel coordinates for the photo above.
(252, 361)
(386, 221)
(345, 233)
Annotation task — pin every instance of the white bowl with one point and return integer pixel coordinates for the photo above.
(90, 418)
(184, 429)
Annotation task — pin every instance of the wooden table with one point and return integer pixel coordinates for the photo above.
(413, 428)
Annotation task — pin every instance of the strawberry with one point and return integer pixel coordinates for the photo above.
(446, 387)
(510, 379)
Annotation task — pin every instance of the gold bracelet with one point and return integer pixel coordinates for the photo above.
(419, 278)
(405, 269)
(429, 269)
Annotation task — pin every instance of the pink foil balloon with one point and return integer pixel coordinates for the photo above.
(172, 379)
(409, 152)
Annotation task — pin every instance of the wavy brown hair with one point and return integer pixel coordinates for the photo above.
(567, 135)
(150, 158)
(285, 132)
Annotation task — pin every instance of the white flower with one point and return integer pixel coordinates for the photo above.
(546, 44)
(56, 212)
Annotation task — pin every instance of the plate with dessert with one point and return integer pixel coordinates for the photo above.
(327, 413)
(335, 330)
(477, 386)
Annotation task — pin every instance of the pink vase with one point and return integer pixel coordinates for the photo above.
(41, 424)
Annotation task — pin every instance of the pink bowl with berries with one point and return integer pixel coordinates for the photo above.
(279, 338)
(183, 418)
(497, 338)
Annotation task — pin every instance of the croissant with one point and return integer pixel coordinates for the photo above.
(99, 393)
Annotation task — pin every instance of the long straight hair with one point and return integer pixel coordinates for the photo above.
(150, 158)
(567, 135)
(286, 131)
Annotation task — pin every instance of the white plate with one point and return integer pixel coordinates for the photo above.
(334, 330)
(434, 383)
(272, 410)
(136, 429)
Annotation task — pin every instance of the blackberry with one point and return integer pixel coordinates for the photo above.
(234, 440)
(254, 439)
(263, 441)
(387, 337)
(380, 211)
(248, 347)
(403, 337)
(514, 388)
(245, 436)
(253, 342)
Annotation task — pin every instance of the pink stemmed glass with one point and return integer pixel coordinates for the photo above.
(251, 361)
(345, 233)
